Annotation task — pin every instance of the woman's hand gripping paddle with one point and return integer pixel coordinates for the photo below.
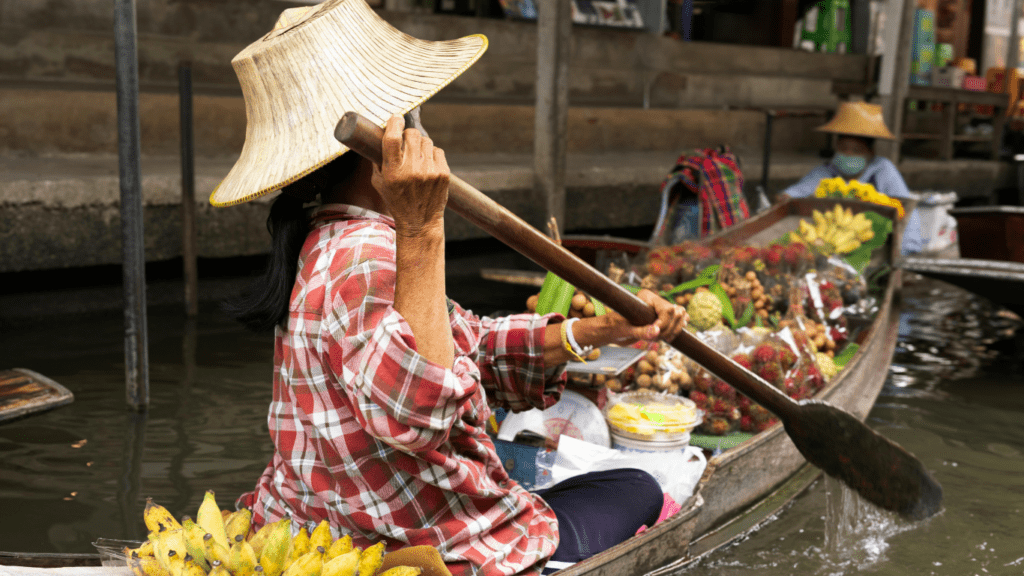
(841, 445)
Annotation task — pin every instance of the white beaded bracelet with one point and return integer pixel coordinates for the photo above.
(580, 351)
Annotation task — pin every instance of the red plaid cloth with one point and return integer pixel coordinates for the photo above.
(714, 175)
(383, 443)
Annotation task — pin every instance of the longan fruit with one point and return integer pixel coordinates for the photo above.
(589, 310)
(579, 301)
(613, 384)
(645, 367)
(594, 354)
(531, 302)
(643, 381)
(751, 275)
(681, 300)
(652, 357)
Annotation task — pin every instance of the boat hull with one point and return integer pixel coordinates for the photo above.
(759, 477)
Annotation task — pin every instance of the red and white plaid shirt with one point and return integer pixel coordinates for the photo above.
(380, 441)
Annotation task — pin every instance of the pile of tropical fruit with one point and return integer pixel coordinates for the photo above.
(780, 310)
(219, 543)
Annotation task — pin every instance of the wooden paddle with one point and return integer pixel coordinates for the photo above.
(835, 441)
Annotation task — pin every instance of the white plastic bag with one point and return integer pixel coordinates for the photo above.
(676, 472)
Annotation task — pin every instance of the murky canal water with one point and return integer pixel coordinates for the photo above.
(955, 398)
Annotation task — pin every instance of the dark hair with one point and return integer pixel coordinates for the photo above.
(265, 304)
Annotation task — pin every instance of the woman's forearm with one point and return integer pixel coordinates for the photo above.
(587, 332)
(420, 292)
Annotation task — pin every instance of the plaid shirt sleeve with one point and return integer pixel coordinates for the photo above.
(400, 397)
(511, 360)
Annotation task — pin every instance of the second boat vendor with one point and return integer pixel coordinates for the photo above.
(381, 385)
(858, 125)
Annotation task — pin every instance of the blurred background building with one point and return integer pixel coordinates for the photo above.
(648, 80)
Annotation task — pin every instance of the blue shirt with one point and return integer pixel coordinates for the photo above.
(885, 177)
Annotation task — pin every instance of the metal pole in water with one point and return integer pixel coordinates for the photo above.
(188, 192)
(136, 349)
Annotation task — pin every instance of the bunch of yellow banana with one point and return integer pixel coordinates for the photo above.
(836, 231)
(219, 543)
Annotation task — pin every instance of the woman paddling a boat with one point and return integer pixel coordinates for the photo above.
(382, 384)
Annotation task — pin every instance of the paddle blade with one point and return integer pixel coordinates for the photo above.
(875, 467)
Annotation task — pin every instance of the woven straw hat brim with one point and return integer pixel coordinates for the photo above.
(858, 119)
(302, 77)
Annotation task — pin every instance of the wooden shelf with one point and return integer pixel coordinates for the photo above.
(972, 138)
(921, 136)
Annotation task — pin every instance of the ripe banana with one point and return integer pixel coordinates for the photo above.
(214, 551)
(218, 569)
(192, 568)
(146, 566)
(402, 571)
(309, 564)
(241, 558)
(259, 539)
(210, 519)
(346, 564)
(321, 535)
(156, 516)
(372, 559)
(238, 523)
(300, 544)
(340, 546)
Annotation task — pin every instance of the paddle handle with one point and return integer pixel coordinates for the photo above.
(364, 137)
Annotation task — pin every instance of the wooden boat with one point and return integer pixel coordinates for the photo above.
(745, 485)
(991, 232)
(1000, 282)
(24, 392)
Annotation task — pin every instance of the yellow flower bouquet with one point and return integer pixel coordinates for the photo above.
(839, 188)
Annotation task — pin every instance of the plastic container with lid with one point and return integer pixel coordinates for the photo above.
(649, 421)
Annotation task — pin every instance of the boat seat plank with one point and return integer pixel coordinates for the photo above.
(24, 392)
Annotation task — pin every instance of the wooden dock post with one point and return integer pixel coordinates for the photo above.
(188, 192)
(551, 120)
(136, 347)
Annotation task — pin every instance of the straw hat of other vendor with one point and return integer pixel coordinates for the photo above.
(858, 119)
(318, 63)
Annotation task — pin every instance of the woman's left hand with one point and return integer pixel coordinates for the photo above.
(672, 319)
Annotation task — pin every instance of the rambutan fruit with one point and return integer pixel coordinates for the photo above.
(744, 360)
(759, 413)
(771, 372)
(718, 426)
(723, 390)
(787, 357)
(765, 354)
(702, 381)
(747, 424)
(699, 398)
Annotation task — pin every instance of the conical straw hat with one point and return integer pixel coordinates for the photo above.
(316, 64)
(858, 119)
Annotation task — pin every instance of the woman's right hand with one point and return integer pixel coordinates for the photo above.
(413, 180)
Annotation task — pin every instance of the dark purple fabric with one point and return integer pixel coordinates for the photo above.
(598, 510)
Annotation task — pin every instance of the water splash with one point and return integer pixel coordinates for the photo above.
(857, 533)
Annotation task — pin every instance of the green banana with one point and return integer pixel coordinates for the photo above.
(194, 542)
(275, 551)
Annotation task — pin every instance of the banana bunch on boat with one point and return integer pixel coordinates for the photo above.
(218, 543)
(836, 231)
